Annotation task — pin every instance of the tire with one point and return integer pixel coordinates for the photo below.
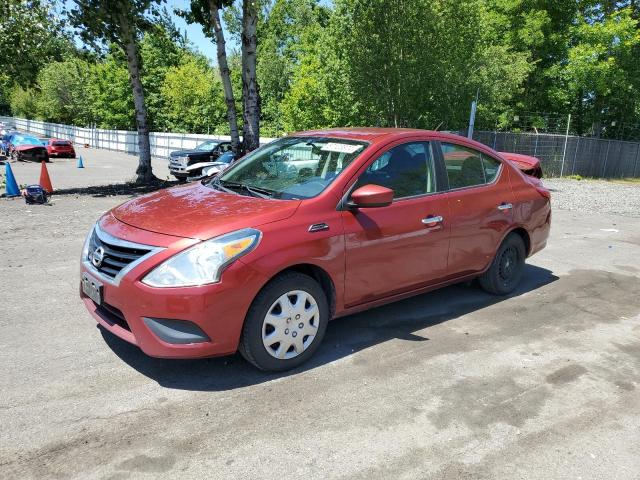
(505, 272)
(267, 322)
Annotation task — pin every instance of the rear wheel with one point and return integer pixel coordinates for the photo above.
(285, 323)
(505, 272)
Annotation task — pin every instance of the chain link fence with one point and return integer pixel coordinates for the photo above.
(561, 155)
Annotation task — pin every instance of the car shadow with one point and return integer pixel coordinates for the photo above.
(130, 188)
(344, 337)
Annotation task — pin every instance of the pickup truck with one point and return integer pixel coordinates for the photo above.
(186, 164)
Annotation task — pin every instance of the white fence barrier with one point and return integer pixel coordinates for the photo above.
(120, 140)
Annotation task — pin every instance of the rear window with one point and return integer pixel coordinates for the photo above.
(467, 167)
(62, 143)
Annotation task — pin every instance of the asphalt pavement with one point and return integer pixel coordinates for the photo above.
(454, 384)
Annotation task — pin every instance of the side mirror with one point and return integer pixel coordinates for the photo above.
(371, 196)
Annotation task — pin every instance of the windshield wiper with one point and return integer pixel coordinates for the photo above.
(253, 191)
(218, 186)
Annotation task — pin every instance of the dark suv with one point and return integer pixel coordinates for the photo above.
(184, 164)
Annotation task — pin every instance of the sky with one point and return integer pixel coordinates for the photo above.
(194, 32)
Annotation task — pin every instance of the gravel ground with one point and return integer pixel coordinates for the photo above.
(595, 196)
(453, 384)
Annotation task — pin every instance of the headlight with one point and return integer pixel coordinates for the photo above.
(203, 263)
(85, 247)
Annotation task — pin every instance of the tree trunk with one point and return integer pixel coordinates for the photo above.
(225, 74)
(250, 95)
(144, 172)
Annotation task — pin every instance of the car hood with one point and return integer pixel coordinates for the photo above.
(27, 147)
(184, 153)
(198, 211)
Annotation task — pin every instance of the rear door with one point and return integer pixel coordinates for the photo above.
(481, 203)
(403, 246)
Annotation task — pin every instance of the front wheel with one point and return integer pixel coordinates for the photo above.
(285, 323)
(505, 272)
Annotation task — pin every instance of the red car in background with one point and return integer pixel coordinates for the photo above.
(310, 227)
(59, 148)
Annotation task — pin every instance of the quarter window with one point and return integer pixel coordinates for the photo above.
(407, 169)
(491, 168)
(467, 167)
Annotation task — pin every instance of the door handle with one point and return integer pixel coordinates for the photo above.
(433, 220)
(505, 206)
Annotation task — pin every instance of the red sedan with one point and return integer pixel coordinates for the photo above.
(60, 148)
(310, 227)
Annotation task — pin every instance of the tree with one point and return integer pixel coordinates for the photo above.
(161, 49)
(23, 102)
(31, 35)
(110, 91)
(122, 23)
(6, 85)
(193, 99)
(207, 14)
(292, 33)
(64, 92)
(250, 93)
(423, 61)
(603, 70)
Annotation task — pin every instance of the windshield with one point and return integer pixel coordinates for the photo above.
(293, 167)
(206, 146)
(226, 157)
(27, 141)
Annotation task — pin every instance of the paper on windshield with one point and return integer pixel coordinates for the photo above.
(340, 147)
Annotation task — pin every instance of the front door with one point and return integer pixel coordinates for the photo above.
(403, 246)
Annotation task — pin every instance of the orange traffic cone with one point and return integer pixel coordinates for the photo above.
(45, 181)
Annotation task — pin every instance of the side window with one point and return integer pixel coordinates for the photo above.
(467, 167)
(406, 169)
(491, 168)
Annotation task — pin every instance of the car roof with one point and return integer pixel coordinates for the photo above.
(375, 134)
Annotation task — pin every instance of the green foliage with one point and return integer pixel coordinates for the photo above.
(31, 35)
(415, 63)
(23, 102)
(603, 69)
(160, 50)
(193, 98)
(100, 22)
(64, 94)
(6, 85)
(110, 92)
(291, 31)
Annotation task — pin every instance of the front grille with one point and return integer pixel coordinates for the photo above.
(179, 161)
(112, 316)
(115, 258)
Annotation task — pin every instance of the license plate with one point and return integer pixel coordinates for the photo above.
(92, 288)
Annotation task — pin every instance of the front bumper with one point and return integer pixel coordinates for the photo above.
(178, 166)
(217, 310)
(32, 156)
